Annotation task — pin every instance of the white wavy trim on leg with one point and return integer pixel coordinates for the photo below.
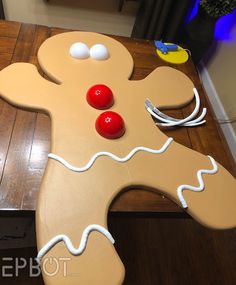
(200, 180)
(68, 243)
(111, 155)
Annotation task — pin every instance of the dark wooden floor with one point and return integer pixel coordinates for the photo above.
(160, 251)
(175, 252)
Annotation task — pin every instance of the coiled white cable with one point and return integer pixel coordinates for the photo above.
(168, 121)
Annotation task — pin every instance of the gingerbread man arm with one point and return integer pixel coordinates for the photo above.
(22, 85)
(167, 88)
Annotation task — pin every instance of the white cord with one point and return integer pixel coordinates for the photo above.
(180, 122)
(187, 51)
(68, 243)
(200, 180)
(192, 123)
(111, 155)
(198, 120)
(203, 114)
(168, 121)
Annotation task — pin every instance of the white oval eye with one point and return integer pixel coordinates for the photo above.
(99, 52)
(79, 50)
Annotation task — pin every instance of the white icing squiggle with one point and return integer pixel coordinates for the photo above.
(111, 155)
(68, 243)
(200, 180)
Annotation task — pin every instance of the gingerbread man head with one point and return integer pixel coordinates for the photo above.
(57, 61)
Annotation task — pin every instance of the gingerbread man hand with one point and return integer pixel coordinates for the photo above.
(87, 170)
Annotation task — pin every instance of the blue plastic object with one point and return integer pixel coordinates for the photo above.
(164, 48)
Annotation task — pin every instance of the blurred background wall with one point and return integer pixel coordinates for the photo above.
(97, 15)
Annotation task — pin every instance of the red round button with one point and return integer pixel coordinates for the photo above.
(100, 97)
(110, 125)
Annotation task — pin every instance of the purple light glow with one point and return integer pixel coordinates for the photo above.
(225, 29)
(193, 12)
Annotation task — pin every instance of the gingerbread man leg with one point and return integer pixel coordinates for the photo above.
(142, 170)
(69, 203)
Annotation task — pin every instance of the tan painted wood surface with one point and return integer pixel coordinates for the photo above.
(20, 42)
(68, 202)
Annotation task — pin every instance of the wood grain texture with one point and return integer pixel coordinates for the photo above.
(15, 169)
(20, 42)
(7, 121)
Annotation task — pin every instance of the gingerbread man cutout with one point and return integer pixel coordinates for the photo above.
(75, 204)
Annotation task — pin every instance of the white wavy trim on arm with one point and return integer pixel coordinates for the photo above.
(201, 186)
(168, 121)
(68, 243)
(111, 155)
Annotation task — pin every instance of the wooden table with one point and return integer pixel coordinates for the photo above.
(25, 135)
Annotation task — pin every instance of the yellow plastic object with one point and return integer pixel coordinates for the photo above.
(176, 57)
